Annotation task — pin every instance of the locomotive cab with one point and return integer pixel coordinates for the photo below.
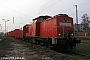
(64, 26)
(63, 32)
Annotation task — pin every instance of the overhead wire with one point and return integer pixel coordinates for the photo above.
(85, 3)
(49, 6)
(66, 9)
(46, 8)
(15, 11)
(80, 5)
(40, 6)
(25, 14)
(22, 13)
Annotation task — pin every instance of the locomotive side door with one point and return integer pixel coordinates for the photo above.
(54, 31)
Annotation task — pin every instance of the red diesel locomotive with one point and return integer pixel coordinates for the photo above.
(53, 32)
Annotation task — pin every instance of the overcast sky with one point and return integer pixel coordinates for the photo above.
(24, 11)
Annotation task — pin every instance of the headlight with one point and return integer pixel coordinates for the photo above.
(72, 34)
(59, 34)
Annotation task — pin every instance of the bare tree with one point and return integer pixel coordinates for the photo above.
(85, 22)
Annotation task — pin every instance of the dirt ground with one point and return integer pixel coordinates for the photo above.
(12, 49)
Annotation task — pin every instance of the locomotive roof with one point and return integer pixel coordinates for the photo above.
(41, 17)
(26, 24)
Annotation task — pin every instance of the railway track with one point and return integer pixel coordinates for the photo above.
(81, 54)
(63, 55)
(75, 53)
(69, 52)
(84, 38)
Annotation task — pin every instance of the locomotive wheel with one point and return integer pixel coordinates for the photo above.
(48, 45)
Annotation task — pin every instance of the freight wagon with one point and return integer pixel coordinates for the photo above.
(17, 33)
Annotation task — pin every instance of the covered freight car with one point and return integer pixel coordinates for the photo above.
(17, 33)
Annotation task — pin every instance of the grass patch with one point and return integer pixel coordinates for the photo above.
(83, 49)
